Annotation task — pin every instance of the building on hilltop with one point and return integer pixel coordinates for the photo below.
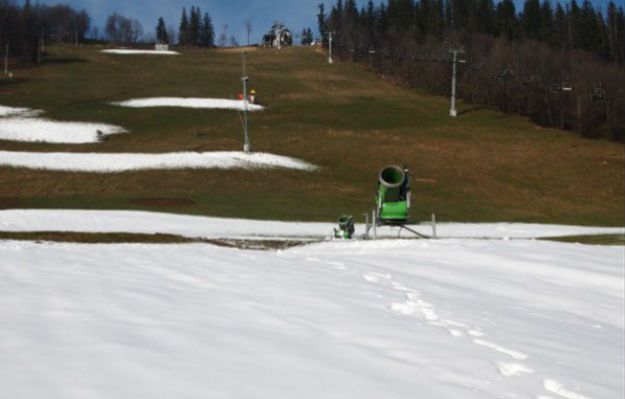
(278, 36)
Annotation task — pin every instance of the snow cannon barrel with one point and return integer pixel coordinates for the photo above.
(393, 199)
(392, 177)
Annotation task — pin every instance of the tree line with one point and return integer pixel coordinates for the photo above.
(562, 67)
(26, 29)
(195, 29)
(120, 29)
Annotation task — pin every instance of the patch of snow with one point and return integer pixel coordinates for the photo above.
(211, 227)
(188, 102)
(144, 321)
(8, 111)
(123, 51)
(123, 162)
(45, 130)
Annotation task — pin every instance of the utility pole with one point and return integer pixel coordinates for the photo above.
(371, 53)
(452, 111)
(330, 48)
(244, 79)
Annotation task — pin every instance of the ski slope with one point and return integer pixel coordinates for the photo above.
(7, 111)
(125, 51)
(471, 319)
(30, 129)
(114, 221)
(123, 162)
(188, 102)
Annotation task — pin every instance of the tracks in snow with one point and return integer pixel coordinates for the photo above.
(415, 306)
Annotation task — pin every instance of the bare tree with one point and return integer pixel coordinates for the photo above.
(223, 36)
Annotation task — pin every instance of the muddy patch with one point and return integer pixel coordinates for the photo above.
(162, 202)
(9, 202)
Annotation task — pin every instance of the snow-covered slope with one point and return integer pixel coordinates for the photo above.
(188, 102)
(125, 51)
(28, 128)
(122, 162)
(199, 226)
(379, 319)
(5, 111)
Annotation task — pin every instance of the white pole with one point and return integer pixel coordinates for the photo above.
(246, 141)
(375, 224)
(434, 226)
(452, 110)
(330, 49)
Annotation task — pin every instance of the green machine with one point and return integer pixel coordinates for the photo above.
(393, 196)
(346, 227)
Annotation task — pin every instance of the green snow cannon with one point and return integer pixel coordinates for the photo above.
(346, 227)
(393, 198)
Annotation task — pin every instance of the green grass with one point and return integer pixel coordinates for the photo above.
(601, 239)
(138, 238)
(481, 166)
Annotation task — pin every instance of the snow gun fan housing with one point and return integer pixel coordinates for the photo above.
(393, 197)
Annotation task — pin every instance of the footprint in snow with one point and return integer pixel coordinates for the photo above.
(512, 369)
(557, 388)
(512, 353)
(376, 278)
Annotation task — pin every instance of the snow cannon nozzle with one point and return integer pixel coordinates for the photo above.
(393, 176)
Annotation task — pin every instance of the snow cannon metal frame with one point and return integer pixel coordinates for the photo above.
(393, 196)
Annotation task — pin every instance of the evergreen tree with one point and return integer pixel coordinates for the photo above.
(589, 32)
(307, 37)
(507, 20)
(486, 17)
(207, 32)
(370, 22)
(183, 31)
(560, 28)
(621, 36)
(194, 26)
(574, 20)
(460, 14)
(322, 24)
(161, 31)
(530, 20)
(546, 21)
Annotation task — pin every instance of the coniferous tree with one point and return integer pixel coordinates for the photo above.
(546, 21)
(161, 31)
(486, 17)
(194, 26)
(589, 31)
(574, 19)
(560, 28)
(507, 21)
(460, 14)
(370, 22)
(307, 37)
(530, 19)
(207, 32)
(183, 31)
(322, 24)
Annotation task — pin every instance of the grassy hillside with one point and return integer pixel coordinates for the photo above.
(482, 166)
